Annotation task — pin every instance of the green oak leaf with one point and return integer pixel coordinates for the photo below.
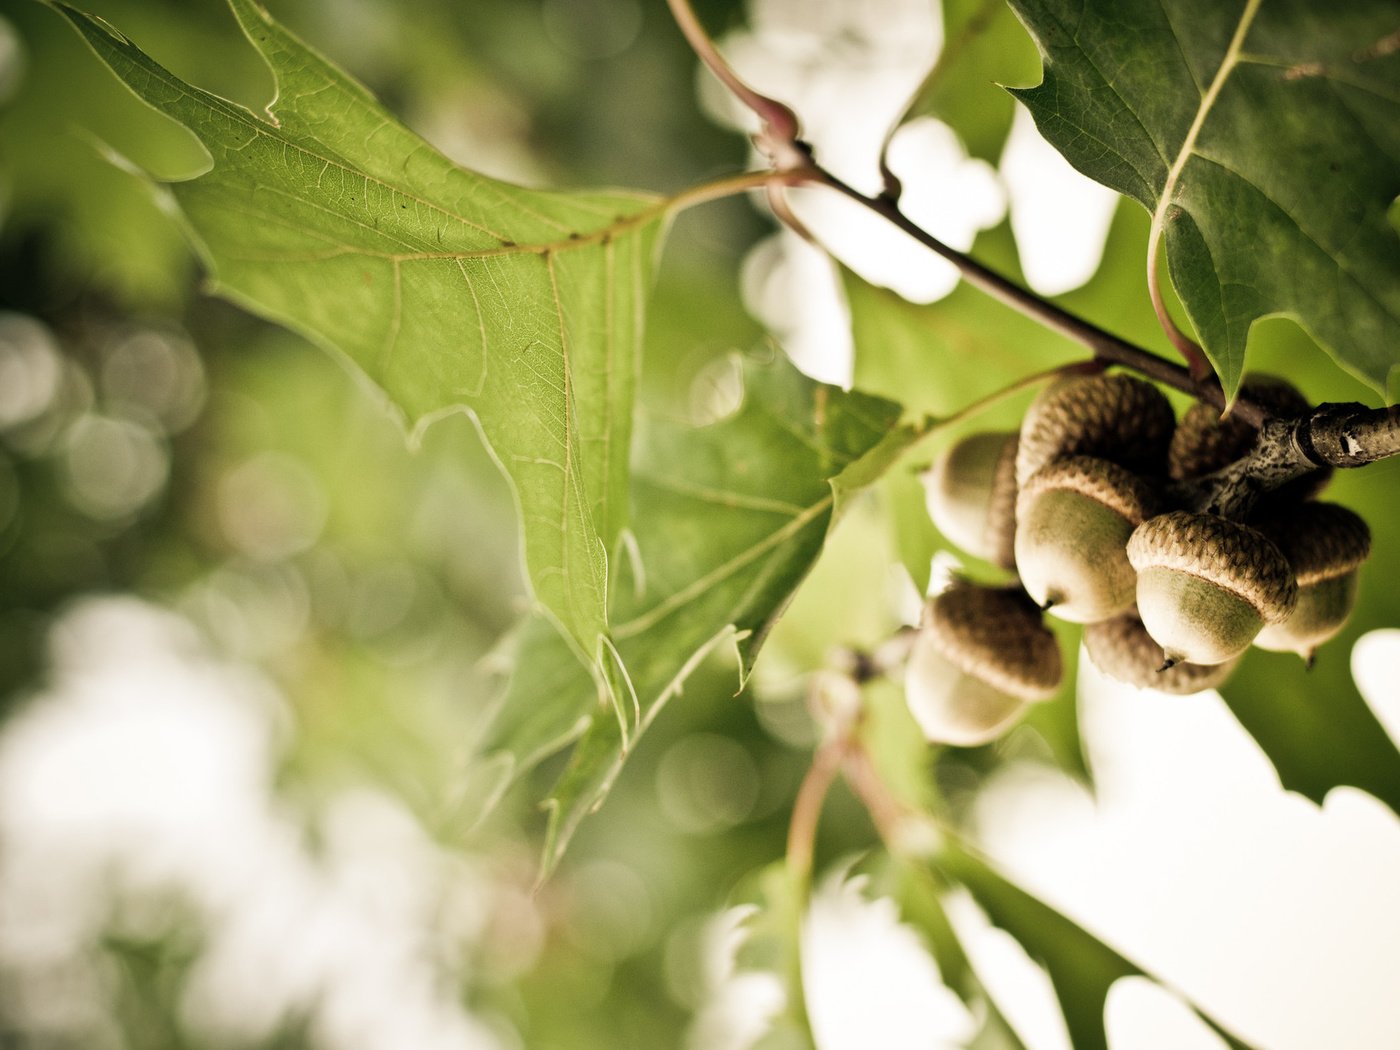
(1264, 137)
(728, 519)
(447, 289)
(983, 46)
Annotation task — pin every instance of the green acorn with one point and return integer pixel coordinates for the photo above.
(971, 495)
(1073, 520)
(1122, 649)
(980, 656)
(1114, 417)
(1206, 585)
(1325, 544)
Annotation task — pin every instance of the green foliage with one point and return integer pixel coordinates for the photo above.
(662, 555)
(983, 46)
(1264, 139)
(448, 289)
(729, 519)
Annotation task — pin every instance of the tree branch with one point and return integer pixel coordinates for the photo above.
(1333, 435)
(1106, 346)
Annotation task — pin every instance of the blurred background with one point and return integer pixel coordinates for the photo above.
(248, 635)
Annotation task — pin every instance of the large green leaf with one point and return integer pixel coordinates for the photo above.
(1265, 139)
(448, 289)
(729, 519)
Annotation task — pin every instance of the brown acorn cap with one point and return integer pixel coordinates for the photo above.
(1116, 488)
(1122, 649)
(996, 634)
(1114, 417)
(1235, 557)
(1321, 541)
(1203, 442)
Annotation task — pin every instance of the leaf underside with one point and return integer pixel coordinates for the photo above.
(1277, 183)
(728, 519)
(447, 289)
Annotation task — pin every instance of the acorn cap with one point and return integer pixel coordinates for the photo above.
(1122, 649)
(996, 635)
(1114, 417)
(1321, 541)
(1204, 442)
(1235, 557)
(971, 495)
(1116, 488)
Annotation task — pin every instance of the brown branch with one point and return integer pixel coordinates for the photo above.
(1333, 435)
(1348, 435)
(1106, 346)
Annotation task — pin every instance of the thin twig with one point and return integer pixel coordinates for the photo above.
(807, 806)
(730, 186)
(976, 408)
(1106, 347)
(1196, 361)
(951, 49)
(781, 133)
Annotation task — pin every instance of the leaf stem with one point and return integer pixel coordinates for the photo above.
(1196, 362)
(807, 807)
(780, 136)
(1191, 350)
(801, 847)
(731, 186)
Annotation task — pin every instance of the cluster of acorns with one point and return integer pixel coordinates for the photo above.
(1086, 504)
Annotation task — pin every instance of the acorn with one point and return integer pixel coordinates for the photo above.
(1122, 649)
(971, 494)
(1206, 585)
(981, 655)
(1325, 544)
(1115, 417)
(1073, 520)
(1204, 442)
